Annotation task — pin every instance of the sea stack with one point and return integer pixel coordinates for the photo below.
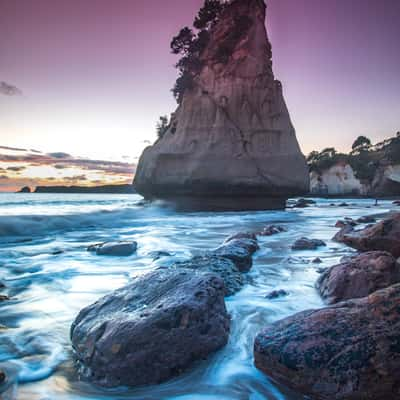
(231, 143)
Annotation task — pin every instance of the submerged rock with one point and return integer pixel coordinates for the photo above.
(303, 203)
(345, 222)
(122, 249)
(307, 244)
(317, 260)
(3, 377)
(231, 137)
(272, 230)
(359, 277)
(220, 266)
(3, 297)
(151, 330)
(384, 236)
(156, 255)
(343, 352)
(275, 294)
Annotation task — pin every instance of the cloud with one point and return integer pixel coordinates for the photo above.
(16, 169)
(3, 177)
(9, 90)
(75, 178)
(12, 148)
(60, 166)
(59, 155)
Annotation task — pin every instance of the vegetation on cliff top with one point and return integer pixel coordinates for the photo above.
(190, 44)
(364, 157)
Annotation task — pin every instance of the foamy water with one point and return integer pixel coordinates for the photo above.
(51, 277)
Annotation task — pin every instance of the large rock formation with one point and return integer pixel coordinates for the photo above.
(231, 137)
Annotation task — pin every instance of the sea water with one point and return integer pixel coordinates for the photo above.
(50, 277)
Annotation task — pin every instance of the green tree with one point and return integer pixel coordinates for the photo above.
(361, 142)
(182, 42)
(162, 126)
(208, 14)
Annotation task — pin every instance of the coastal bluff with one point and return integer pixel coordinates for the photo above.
(231, 137)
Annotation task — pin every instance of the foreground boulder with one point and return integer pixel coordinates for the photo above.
(307, 244)
(151, 330)
(349, 351)
(384, 235)
(231, 139)
(359, 276)
(122, 249)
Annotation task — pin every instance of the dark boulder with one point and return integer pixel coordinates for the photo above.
(220, 266)
(359, 277)
(121, 249)
(151, 330)
(384, 236)
(349, 351)
(308, 244)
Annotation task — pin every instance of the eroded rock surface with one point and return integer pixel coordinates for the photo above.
(151, 330)
(359, 276)
(349, 351)
(231, 137)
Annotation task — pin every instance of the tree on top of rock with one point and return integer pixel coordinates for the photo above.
(190, 45)
(208, 14)
(361, 142)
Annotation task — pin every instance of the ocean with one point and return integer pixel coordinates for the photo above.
(50, 277)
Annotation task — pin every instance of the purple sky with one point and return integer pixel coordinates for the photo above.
(95, 75)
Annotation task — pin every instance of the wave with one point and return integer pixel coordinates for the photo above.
(34, 225)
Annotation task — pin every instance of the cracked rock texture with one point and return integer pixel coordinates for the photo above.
(232, 135)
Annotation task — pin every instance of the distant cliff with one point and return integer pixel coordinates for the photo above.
(369, 170)
(106, 189)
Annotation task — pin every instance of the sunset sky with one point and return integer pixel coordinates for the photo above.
(85, 81)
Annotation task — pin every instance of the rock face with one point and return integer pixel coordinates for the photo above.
(349, 351)
(359, 277)
(231, 137)
(384, 235)
(152, 329)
